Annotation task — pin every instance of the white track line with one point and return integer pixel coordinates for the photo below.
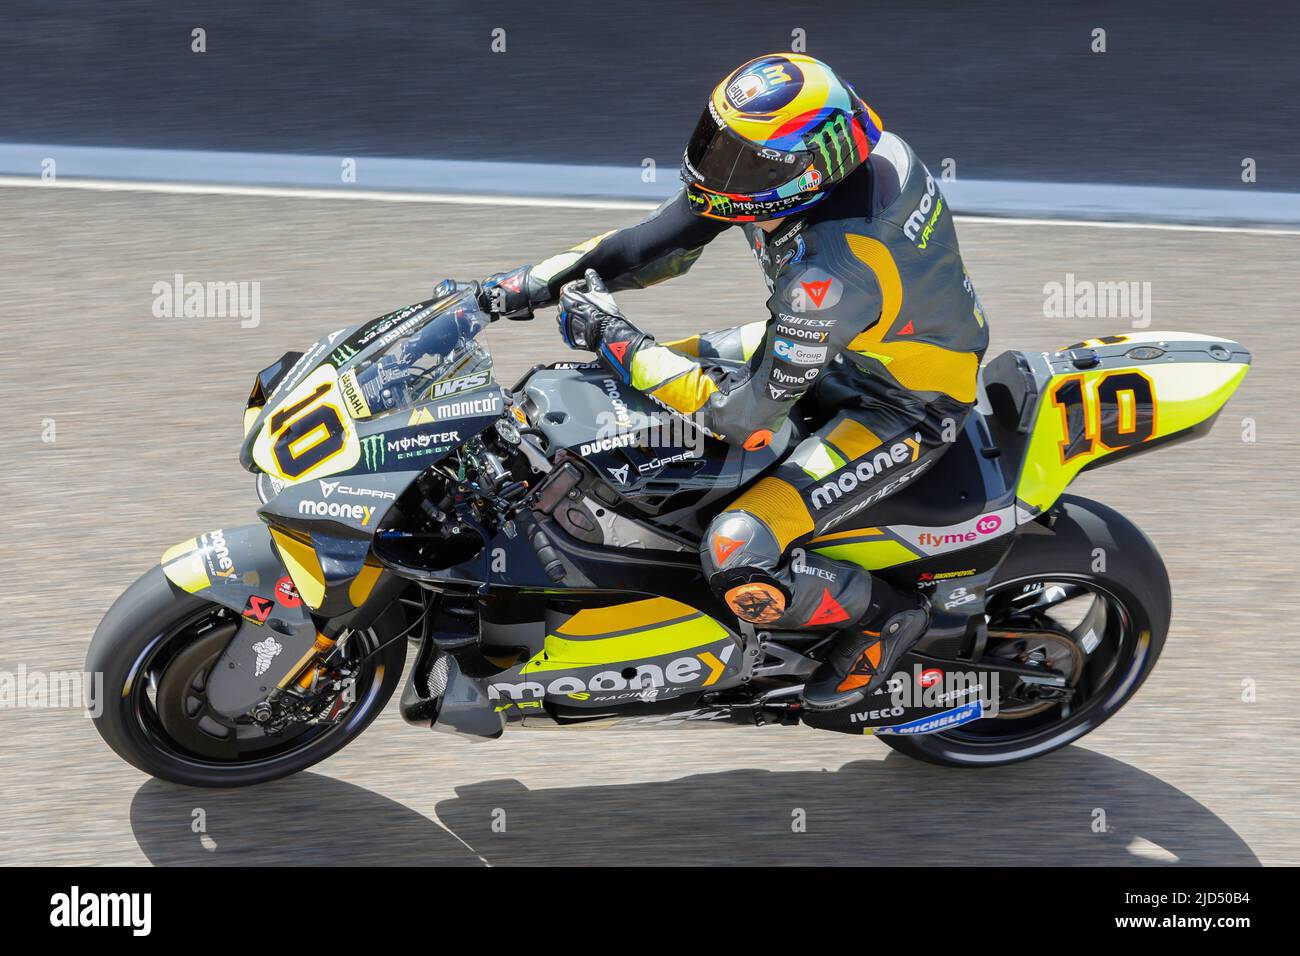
(293, 192)
(462, 199)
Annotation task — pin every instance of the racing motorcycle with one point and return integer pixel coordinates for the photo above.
(537, 546)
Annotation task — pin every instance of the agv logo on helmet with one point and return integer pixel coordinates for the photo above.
(767, 84)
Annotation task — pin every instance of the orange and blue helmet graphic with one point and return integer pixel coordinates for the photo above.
(776, 135)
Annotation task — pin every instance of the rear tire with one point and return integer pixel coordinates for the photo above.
(138, 627)
(1134, 581)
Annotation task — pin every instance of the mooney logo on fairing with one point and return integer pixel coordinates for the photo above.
(221, 553)
(335, 509)
(680, 671)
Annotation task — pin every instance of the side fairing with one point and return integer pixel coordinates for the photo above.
(641, 651)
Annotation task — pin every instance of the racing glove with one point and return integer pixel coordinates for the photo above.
(590, 319)
(511, 295)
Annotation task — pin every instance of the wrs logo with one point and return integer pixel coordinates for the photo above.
(456, 385)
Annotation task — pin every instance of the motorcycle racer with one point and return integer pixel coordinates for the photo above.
(871, 315)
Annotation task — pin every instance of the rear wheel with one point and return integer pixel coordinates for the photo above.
(156, 648)
(1089, 603)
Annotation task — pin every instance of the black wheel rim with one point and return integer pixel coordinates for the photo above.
(178, 722)
(1067, 625)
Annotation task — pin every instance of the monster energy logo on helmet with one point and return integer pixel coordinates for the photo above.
(373, 448)
(835, 134)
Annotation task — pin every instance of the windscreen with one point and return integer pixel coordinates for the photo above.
(406, 355)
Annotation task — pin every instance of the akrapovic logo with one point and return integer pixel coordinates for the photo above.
(702, 669)
(899, 453)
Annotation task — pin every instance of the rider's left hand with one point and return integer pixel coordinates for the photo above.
(586, 308)
(507, 294)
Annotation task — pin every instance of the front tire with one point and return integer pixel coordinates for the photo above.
(1127, 622)
(154, 627)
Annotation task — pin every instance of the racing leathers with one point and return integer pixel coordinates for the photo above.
(870, 308)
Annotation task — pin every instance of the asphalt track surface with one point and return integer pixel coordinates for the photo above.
(147, 415)
(1009, 89)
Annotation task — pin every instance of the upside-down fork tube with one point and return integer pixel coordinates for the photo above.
(387, 589)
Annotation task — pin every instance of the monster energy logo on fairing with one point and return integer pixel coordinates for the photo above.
(831, 134)
(373, 447)
(342, 354)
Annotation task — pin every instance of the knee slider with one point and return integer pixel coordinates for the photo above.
(739, 554)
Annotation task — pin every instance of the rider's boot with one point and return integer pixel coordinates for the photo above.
(862, 657)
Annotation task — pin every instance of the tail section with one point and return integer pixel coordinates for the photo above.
(1104, 399)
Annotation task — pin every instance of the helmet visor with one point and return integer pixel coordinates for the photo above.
(725, 162)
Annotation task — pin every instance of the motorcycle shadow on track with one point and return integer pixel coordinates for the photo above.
(867, 813)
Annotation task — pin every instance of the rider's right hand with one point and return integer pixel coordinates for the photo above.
(585, 308)
(507, 294)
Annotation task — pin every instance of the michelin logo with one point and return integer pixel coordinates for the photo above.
(945, 721)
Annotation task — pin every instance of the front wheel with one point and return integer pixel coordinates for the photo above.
(1090, 602)
(156, 648)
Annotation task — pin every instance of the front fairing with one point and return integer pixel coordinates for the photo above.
(378, 402)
